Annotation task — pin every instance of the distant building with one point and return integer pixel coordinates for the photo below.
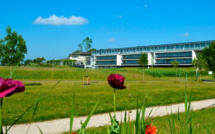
(83, 59)
(158, 55)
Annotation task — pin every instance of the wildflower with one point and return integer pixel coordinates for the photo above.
(10, 86)
(116, 81)
(150, 129)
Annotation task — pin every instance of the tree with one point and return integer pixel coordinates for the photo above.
(199, 62)
(209, 54)
(143, 60)
(12, 48)
(27, 61)
(92, 49)
(76, 51)
(86, 44)
(175, 64)
(39, 60)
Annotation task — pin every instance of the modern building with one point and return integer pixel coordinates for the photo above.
(158, 55)
(82, 59)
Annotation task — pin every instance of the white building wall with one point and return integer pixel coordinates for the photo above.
(193, 55)
(118, 60)
(149, 59)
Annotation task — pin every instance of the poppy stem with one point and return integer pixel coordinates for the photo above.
(1, 131)
(114, 102)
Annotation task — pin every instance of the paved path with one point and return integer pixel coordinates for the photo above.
(62, 125)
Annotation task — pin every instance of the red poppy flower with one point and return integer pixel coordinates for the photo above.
(116, 81)
(73, 133)
(150, 129)
(10, 86)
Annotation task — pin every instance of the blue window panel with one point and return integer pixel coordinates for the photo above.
(202, 44)
(191, 45)
(197, 45)
(187, 46)
(177, 47)
(152, 48)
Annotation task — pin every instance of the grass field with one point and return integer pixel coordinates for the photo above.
(202, 120)
(56, 102)
(71, 73)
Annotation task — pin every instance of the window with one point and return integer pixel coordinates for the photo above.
(197, 45)
(187, 46)
(203, 45)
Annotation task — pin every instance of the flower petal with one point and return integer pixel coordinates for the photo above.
(116, 81)
(1, 83)
(7, 91)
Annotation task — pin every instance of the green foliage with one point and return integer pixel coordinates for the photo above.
(209, 54)
(143, 59)
(38, 60)
(114, 129)
(65, 62)
(84, 125)
(12, 48)
(175, 64)
(26, 62)
(76, 51)
(171, 73)
(200, 62)
(86, 44)
(92, 49)
(72, 113)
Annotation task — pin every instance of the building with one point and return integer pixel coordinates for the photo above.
(82, 59)
(158, 55)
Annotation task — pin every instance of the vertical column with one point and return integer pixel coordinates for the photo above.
(118, 60)
(149, 59)
(193, 54)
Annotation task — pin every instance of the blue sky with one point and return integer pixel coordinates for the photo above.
(53, 28)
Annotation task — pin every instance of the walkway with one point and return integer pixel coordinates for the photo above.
(62, 125)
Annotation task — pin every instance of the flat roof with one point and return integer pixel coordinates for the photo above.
(170, 44)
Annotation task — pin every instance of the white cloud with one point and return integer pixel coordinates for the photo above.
(119, 16)
(186, 34)
(112, 39)
(145, 6)
(61, 20)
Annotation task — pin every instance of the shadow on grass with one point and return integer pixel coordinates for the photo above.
(33, 84)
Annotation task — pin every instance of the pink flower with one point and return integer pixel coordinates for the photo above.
(116, 81)
(10, 86)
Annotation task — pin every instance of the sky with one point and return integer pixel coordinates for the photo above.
(54, 28)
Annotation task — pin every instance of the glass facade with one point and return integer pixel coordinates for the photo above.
(106, 57)
(106, 63)
(173, 55)
(130, 62)
(159, 48)
(137, 56)
(158, 54)
(168, 61)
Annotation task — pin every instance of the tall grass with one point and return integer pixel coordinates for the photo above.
(69, 73)
(171, 73)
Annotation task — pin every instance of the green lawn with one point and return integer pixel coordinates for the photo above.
(56, 103)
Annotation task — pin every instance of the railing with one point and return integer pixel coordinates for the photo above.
(170, 63)
(173, 56)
